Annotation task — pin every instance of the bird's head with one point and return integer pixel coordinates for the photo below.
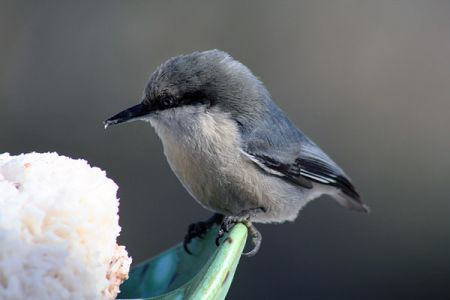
(196, 83)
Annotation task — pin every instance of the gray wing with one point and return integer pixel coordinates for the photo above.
(278, 148)
(290, 171)
(306, 167)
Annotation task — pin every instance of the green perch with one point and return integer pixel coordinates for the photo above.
(174, 274)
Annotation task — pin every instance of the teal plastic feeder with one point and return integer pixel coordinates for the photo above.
(174, 274)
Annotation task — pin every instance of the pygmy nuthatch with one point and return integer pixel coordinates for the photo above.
(232, 147)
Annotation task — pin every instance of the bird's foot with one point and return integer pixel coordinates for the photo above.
(199, 230)
(244, 218)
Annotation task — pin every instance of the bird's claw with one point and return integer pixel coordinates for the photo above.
(199, 230)
(229, 222)
(256, 240)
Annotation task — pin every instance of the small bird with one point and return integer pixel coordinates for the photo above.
(232, 147)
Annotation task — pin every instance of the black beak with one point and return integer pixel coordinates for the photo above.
(128, 115)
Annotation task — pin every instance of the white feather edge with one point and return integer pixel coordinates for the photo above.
(303, 172)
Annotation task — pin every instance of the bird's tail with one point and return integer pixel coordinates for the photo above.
(352, 203)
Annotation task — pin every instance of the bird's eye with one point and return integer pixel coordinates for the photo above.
(168, 102)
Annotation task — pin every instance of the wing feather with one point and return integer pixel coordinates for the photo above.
(287, 171)
(278, 148)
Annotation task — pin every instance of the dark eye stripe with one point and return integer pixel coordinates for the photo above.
(193, 98)
(190, 98)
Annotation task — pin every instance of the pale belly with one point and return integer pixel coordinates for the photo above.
(219, 187)
(236, 186)
(205, 156)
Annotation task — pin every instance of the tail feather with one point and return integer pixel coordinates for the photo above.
(352, 203)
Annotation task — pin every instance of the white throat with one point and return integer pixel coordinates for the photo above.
(195, 125)
(202, 147)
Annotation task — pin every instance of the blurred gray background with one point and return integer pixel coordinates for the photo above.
(369, 81)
